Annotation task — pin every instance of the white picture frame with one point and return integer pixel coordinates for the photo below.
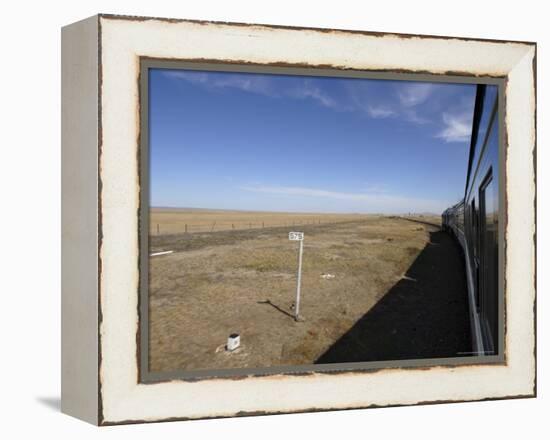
(101, 201)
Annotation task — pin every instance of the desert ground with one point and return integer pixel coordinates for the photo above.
(396, 290)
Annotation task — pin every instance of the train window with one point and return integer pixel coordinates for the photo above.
(460, 217)
(474, 228)
(488, 257)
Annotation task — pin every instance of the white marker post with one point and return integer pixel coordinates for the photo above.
(298, 236)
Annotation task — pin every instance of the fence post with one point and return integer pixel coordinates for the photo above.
(158, 229)
(186, 228)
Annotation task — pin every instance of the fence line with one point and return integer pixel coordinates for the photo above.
(174, 228)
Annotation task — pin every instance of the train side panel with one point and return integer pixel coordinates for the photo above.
(481, 218)
(474, 222)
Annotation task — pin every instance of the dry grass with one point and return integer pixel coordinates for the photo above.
(245, 282)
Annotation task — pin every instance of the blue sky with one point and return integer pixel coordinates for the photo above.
(306, 144)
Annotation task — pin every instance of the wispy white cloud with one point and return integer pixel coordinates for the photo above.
(248, 83)
(457, 127)
(380, 112)
(376, 188)
(307, 90)
(404, 102)
(307, 192)
(413, 94)
(252, 84)
(413, 116)
(371, 201)
(262, 85)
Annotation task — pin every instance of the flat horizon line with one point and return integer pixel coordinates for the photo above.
(189, 208)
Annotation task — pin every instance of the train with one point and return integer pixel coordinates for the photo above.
(474, 223)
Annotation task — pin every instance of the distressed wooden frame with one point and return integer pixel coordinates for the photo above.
(101, 199)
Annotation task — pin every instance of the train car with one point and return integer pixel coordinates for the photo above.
(474, 222)
(452, 220)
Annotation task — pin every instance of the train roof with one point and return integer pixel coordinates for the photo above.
(454, 207)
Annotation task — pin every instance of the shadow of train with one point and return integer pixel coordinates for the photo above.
(424, 315)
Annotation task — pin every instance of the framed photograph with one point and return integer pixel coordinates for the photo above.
(262, 219)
